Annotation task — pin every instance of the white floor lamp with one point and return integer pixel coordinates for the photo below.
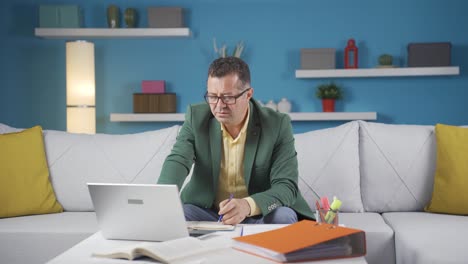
(81, 102)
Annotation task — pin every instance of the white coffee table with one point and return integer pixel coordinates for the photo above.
(82, 253)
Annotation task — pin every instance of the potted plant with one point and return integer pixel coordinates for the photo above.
(329, 92)
(222, 51)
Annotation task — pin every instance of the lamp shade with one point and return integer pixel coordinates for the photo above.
(81, 102)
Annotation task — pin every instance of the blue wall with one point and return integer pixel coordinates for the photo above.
(32, 84)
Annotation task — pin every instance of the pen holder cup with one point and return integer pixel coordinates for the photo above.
(327, 216)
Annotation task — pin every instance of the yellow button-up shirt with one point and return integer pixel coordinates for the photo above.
(231, 176)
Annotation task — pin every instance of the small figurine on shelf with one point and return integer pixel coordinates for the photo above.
(130, 15)
(113, 16)
(351, 55)
(284, 106)
(271, 104)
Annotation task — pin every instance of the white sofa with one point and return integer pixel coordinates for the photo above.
(382, 173)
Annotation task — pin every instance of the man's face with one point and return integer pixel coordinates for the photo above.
(228, 114)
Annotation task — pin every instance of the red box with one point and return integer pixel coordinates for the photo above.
(157, 87)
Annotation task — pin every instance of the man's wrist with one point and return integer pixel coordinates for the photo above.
(254, 209)
(247, 206)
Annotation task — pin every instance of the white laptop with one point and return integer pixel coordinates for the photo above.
(138, 211)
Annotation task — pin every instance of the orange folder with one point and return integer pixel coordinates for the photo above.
(303, 241)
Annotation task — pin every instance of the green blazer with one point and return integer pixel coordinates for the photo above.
(270, 160)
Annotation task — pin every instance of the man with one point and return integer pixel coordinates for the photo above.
(245, 161)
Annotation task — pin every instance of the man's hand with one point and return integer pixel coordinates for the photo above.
(234, 211)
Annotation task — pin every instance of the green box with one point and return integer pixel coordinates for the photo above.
(60, 16)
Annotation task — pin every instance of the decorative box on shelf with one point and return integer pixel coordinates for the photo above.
(157, 86)
(429, 54)
(154, 103)
(165, 17)
(318, 58)
(60, 16)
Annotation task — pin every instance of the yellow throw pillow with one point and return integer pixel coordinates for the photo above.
(450, 193)
(25, 188)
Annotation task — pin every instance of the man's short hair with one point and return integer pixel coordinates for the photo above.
(230, 65)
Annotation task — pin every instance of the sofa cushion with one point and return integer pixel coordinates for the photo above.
(397, 166)
(39, 238)
(329, 165)
(380, 242)
(422, 238)
(76, 159)
(450, 193)
(25, 188)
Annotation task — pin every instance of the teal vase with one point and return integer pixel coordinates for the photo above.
(130, 17)
(113, 16)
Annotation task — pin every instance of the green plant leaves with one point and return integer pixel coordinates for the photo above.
(329, 91)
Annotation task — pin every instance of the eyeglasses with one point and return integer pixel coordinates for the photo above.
(227, 99)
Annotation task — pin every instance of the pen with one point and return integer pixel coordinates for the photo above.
(319, 216)
(317, 205)
(230, 198)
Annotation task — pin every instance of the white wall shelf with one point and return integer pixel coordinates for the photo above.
(314, 116)
(322, 116)
(60, 33)
(378, 72)
(173, 117)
